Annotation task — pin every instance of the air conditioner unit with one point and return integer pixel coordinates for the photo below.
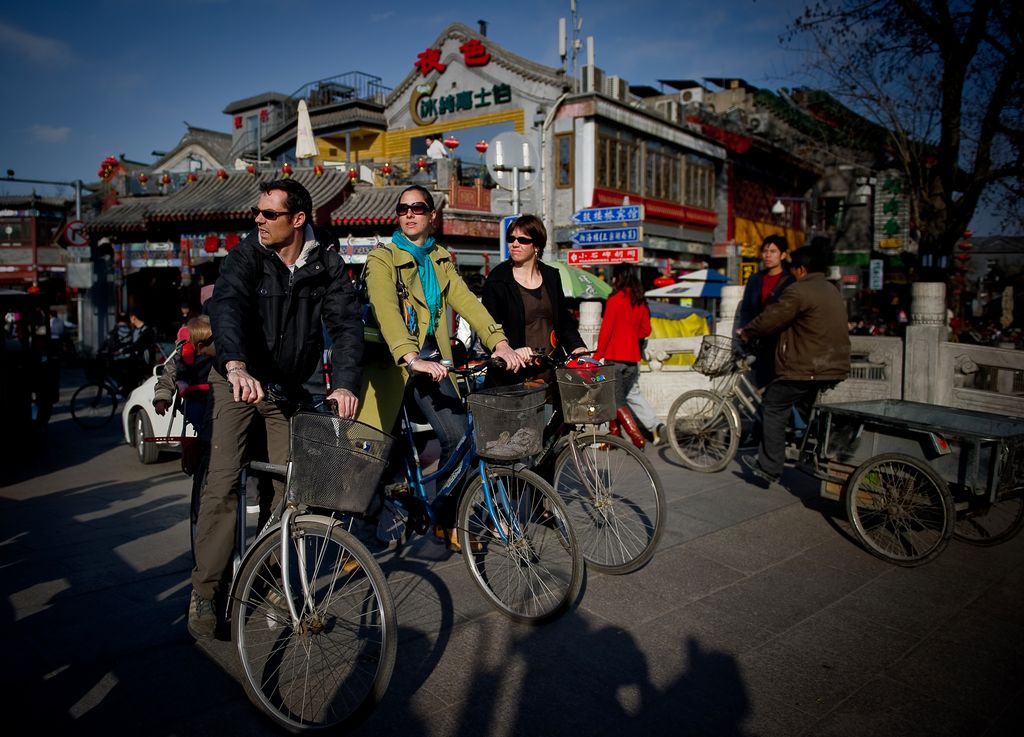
(695, 94)
(616, 88)
(669, 109)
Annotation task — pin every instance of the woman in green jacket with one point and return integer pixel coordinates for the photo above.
(417, 326)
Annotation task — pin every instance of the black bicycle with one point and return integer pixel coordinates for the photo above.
(110, 381)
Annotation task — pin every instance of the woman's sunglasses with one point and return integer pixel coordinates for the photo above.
(268, 214)
(418, 208)
(521, 239)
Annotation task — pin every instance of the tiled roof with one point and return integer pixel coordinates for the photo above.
(375, 206)
(211, 198)
(248, 103)
(129, 216)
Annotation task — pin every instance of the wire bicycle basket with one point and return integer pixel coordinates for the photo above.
(717, 355)
(336, 463)
(508, 421)
(588, 394)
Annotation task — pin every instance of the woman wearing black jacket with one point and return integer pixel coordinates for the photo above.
(525, 296)
(764, 288)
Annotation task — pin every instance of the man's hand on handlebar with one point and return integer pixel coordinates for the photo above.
(345, 402)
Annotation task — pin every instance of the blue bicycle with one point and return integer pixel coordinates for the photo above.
(513, 530)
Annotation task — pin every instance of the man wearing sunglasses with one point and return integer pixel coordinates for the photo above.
(277, 291)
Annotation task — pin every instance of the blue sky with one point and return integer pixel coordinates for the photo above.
(88, 79)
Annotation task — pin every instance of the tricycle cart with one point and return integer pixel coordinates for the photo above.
(911, 475)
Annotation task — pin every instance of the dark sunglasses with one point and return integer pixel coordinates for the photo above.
(521, 239)
(418, 208)
(268, 214)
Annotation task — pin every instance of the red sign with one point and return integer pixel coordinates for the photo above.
(605, 255)
(429, 60)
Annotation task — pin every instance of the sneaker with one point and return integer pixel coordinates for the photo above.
(202, 617)
(751, 464)
(659, 435)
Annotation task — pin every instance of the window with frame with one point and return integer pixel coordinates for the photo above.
(700, 183)
(563, 160)
(618, 161)
(662, 173)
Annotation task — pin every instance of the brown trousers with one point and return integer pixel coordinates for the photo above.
(216, 527)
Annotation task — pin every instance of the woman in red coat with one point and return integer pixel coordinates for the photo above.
(626, 322)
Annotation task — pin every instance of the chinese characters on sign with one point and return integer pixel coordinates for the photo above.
(426, 109)
(892, 219)
(605, 255)
(624, 214)
(474, 54)
(611, 235)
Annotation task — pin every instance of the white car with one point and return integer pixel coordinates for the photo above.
(139, 420)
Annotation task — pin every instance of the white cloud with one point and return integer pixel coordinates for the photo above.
(50, 133)
(36, 49)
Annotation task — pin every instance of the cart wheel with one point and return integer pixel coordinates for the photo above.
(900, 509)
(990, 523)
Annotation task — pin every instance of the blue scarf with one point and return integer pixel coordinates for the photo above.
(428, 278)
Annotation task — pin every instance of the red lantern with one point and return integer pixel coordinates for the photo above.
(964, 257)
(231, 240)
(191, 178)
(211, 244)
(386, 169)
(966, 245)
(251, 168)
(318, 170)
(421, 163)
(481, 146)
(165, 179)
(238, 122)
(264, 114)
(286, 169)
(664, 281)
(222, 175)
(143, 178)
(451, 142)
(352, 175)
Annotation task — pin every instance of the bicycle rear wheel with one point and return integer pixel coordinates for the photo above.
(615, 501)
(704, 430)
(525, 557)
(331, 669)
(92, 405)
(900, 509)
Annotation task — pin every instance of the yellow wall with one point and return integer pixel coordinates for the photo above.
(397, 144)
(750, 233)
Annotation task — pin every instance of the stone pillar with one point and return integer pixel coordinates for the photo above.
(590, 322)
(729, 305)
(922, 374)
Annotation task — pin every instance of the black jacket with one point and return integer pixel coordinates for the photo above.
(502, 299)
(751, 305)
(274, 320)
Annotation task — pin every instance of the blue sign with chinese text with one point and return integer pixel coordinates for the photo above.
(608, 235)
(620, 214)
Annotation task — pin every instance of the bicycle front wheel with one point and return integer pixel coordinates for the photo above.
(330, 669)
(614, 499)
(92, 405)
(704, 430)
(521, 549)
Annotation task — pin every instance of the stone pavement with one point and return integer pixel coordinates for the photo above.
(758, 616)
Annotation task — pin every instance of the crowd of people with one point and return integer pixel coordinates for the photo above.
(285, 289)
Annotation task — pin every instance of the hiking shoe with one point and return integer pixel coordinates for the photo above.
(202, 617)
(751, 464)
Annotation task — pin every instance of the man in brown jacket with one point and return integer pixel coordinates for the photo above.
(813, 352)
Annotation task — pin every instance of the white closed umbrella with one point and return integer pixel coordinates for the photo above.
(305, 145)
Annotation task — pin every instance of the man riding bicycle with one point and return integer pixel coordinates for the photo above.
(276, 292)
